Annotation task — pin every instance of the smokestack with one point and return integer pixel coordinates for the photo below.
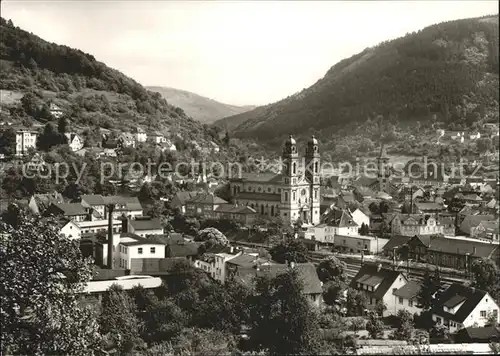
(110, 236)
(379, 267)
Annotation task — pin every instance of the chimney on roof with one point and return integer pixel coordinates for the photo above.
(110, 236)
(231, 249)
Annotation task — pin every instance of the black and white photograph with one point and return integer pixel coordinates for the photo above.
(249, 177)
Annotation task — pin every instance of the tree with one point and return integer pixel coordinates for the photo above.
(331, 269)
(62, 126)
(356, 303)
(375, 326)
(483, 144)
(366, 145)
(42, 276)
(49, 138)
(118, 320)
(364, 229)
(290, 251)
(29, 102)
(332, 292)
(430, 286)
(282, 320)
(405, 329)
(380, 307)
(212, 237)
(486, 275)
(8, 142)
(13, 216)
(195, 341)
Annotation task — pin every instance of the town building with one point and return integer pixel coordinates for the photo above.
(143, 226)
(69, 229)
(471, 222)
(140, 135)
(378, 284)
(135, 246)
(242, 214)
(204, 204)
(126, 139)
(55, 111)
(25, 140)
(486, 230)
(293, 194)
(74, 211)
(179, 200)
(405, 298)
(38, 203)
(460, 307)
(75, 141)
(419, 224)
(368, 245)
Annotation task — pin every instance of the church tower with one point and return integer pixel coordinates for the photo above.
(312, 174)
(383, 169)
(290, 174)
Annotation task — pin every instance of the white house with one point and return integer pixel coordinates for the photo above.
(460, 307)
(25, 139)
(75, 142)
(131, 246)
(144, 226)
(70, 229)
(95, 202)
(156, 138)
(405, 298)
(379, 284)
(357, 244)
(475, 136)
(360, 218)
(416, 224)
(214, 147)
(55, 111)
(219, 267)
(95, 226)
(341, 220)
(141, 135)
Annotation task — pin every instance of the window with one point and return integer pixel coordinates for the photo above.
(483, 313)
(315, 194)
(139, 250)
(152, 250)
(410, 303)
(293, 195)
(400, 300)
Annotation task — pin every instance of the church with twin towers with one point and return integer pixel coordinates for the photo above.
(293, 194)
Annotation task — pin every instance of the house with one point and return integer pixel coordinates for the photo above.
(168, 146)
(416, 224)
(460, 306)
(124, 206)
(134, 246)
(126, 139)
(75, 141)
(405, 298)
(38, 203)
(243, 214)
(457, 136)
(25, 140)
(486, 230)
(470, 222)
(143, 226)
(484, 334)
(101, 225)
(445, 252)
(359, 244)
(204, 204)
(214, 147)
(95, 202)
(179, 200)
(155, 266)
(474, 135)
(55, 111)
(341, 221)
(379, 284)
(69, 229)
(74, 211)
(360, 218)
(140, 135)
(109, 152)
(156, 138)
(184, 249)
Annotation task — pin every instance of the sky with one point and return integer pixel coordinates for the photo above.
(236, 52)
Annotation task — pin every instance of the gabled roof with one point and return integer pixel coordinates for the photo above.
(183, 249)
(146, 223)
(470, 296)
(385, 276)
(396, 242)
(339, 218)
(206, 198)
(123, 203)
(184, 196)
(71, 209)
(262, 177)
(471, 221)
(409, 291)
(426, 206)
(93, 199)
(130, 239)
(487, 333)
(238, 209)
(463, 247)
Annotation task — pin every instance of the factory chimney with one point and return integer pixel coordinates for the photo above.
(110, 235)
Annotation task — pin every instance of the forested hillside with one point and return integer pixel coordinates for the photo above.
(447, 72)
(91, 93)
